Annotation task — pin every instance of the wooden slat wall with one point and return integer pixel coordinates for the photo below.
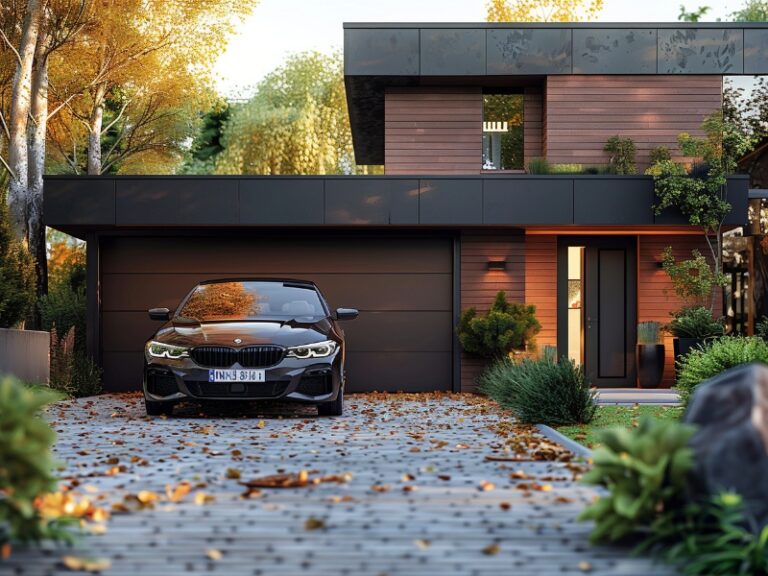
(656, 298)
(582, 112)
(433, 131)
(479, 285)
(541, 284)
(533, 123)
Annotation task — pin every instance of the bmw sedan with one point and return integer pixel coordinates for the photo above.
(247, 339)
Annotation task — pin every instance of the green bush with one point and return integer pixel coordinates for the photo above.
(660, 154)
(710, 538)
(18, 278)
(26, 463)
(715, 357)
(695, 322)
(542, 391)
(539, 166)
(761, 328)
(622, 150)
(645, 472)
(507, 326)
(64, 307)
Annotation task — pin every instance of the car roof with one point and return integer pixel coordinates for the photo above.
(258, 279)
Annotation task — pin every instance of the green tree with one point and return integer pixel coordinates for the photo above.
(752, 11)
(542, 10)
(296, 123)
(17, 274)
(694, 15)
(208, 143)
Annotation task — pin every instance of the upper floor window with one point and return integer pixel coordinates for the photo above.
(503, 131)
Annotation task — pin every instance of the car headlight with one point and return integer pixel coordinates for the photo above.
(160, 350)
(317, 350)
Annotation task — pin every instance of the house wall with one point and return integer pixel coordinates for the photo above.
(433, 131)
(541, 284)
(479, 285)
(533, 123)
(656, 297)
(582, 112)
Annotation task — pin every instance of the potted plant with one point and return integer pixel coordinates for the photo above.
(692, 326)
(650, 355)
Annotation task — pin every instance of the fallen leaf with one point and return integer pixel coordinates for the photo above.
(313, 523)
(214, 554)
(491, 549)
(409, 488)
(77, 564)
(505, 505)
(203, 498)
(5, 551)
(486, 486)
(233, 473)
(179, 492)
(444, 477)
(381, 487)
(261, 424)
(585, 566)
(423, 544)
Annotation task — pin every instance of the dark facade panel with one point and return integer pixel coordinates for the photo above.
(84, 201)
(386, 52)
(281, 201)
(614, 51)
(384, 371)
(379, 201)
(738, 197)
(452, 52)
(448, 201)
(187, 201)
(528, 201)
(701, 51)
(529, 51)
(619, 201)
(755, 51)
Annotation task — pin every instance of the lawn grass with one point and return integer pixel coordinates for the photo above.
(608, 416)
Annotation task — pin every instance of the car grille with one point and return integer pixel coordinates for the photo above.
(237, 389)
(250, 357)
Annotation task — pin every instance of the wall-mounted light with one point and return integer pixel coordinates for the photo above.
(497, 265)
(660, 264)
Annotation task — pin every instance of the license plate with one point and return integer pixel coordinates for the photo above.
(236, 376)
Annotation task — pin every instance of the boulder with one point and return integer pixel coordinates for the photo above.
(731, 443)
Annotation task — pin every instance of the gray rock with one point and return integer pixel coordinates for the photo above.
(731, 444)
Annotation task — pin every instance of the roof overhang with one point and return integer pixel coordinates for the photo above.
(382, 55)
(80, 205)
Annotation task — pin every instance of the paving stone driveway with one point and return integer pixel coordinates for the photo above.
(423, 497)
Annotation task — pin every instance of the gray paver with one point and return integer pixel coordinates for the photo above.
(442, 527)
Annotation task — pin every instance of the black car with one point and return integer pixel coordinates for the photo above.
(247, 339)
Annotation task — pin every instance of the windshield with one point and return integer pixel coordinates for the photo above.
(250, 300)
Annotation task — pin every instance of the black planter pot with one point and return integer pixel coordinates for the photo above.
(650, 365)
(682, 346)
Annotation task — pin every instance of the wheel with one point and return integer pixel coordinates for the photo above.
(158, 408)
(334, 408)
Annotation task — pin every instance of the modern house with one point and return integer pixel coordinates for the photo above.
(455, 113)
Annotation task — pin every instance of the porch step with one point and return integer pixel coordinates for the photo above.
(662, 396)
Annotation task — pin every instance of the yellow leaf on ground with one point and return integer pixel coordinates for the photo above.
(491, 549)
(214, 554)
(313, 523)
(86, 564)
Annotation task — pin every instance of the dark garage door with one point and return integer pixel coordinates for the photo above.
(402, 286)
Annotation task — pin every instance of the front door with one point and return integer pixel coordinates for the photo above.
(597, 306)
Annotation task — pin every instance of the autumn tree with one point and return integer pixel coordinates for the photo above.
(220, 301)
(296, 123)
(542, 10)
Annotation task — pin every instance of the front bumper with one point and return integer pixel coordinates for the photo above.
(312, 380)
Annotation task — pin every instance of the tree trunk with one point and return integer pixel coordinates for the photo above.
(36, 149)
(94, 133)
(18, 188)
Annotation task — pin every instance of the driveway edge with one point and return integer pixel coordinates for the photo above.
(572, 445)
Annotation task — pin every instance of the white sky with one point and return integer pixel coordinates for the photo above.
(278, 28)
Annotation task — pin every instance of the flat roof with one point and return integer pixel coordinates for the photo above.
(380, 55)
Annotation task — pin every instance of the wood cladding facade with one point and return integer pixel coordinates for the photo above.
(433, 131)
(541, 284)
(582, 112)
(479, 285)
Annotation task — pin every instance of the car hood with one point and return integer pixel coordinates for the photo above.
(281, 332)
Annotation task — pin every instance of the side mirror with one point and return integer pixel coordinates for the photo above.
(346, 313)
(160, 314)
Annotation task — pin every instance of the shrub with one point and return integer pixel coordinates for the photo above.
(645, 472)
(18, 278)
(506, 326)
(648, 332)
(544, 391)
(694, 279)
(660, 154)
(539, 166)
(761, 328)
(566, 169)
(64, 307)
(622, 150)
(72, 371)
(716, 356)
(26, 463)
(695, 322)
